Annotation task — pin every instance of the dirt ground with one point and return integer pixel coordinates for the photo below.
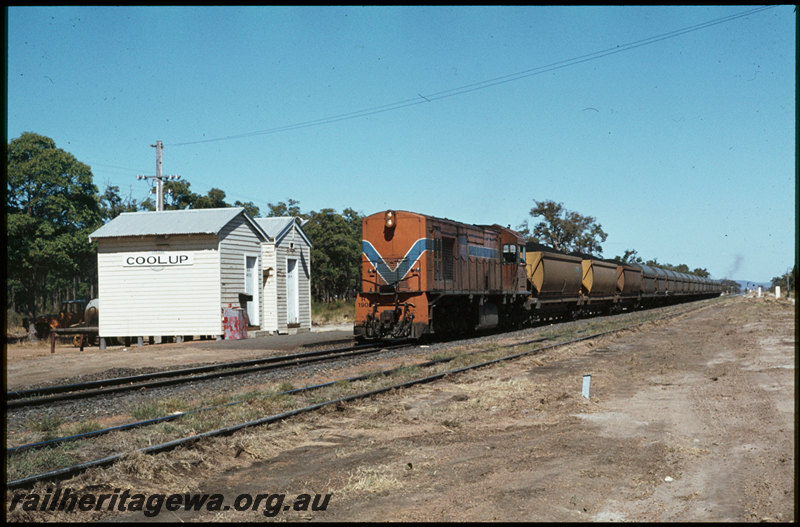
(33, 363)
(689, 419)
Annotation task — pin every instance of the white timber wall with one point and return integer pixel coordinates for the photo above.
(237, 241)
(141, 299)
(304, 273)
(270, 294)
(292, 246)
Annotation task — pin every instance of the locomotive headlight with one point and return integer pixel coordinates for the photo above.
(389, 219)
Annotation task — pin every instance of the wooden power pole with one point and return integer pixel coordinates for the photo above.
(158, 177)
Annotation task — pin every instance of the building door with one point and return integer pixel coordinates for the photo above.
(251, 288)
(292, 293)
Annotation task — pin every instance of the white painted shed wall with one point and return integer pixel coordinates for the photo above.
(237, 241)
(269, 316)
(159, 301)
(275, 300)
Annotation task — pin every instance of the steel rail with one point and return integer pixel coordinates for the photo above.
(169, 445)
(19, 394)
(147, 422)
(115, 385)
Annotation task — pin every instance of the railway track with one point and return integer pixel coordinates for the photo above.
(385, 380)
(46, 395)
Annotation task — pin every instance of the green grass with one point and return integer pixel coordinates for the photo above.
(36, 461)
(150, 410)
(48, 425)
(81, 427)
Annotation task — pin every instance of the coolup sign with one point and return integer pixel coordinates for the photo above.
(157, 259)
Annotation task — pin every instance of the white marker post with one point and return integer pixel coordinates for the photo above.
(587, 381)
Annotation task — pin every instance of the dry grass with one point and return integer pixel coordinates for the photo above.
(337, 312)
(372, 479)
(252, 405)
(469, 405)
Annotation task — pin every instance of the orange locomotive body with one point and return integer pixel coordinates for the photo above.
(423, 275)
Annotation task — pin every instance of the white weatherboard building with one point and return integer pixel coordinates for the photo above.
(286, 276)
(172, 273)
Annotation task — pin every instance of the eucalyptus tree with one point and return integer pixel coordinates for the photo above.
(52, 206)
(563, 229)
(335, 251)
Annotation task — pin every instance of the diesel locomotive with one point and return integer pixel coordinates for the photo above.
(424, 275)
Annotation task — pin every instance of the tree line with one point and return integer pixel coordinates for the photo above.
(786, 281)
(570, 232)
(52, 205)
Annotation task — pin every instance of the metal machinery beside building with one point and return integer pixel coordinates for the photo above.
(286, 276)
(172, 273)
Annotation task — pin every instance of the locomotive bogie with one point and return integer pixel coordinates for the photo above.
(383, 316)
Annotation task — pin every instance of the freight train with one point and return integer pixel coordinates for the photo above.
(423, 275)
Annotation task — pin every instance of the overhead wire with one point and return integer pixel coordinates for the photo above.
(428, 98)
(461, 90)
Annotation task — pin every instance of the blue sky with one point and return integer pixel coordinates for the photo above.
(673, 126)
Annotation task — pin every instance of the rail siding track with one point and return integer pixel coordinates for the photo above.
(65, 472)
(177, 415)
(24, 398)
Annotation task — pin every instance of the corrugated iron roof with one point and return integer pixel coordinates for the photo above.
(190, 221)
(278, 227)
(275, 225)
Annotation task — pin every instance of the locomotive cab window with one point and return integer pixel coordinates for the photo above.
(510, 253)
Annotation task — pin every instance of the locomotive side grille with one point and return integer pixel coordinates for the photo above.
(448, 246)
